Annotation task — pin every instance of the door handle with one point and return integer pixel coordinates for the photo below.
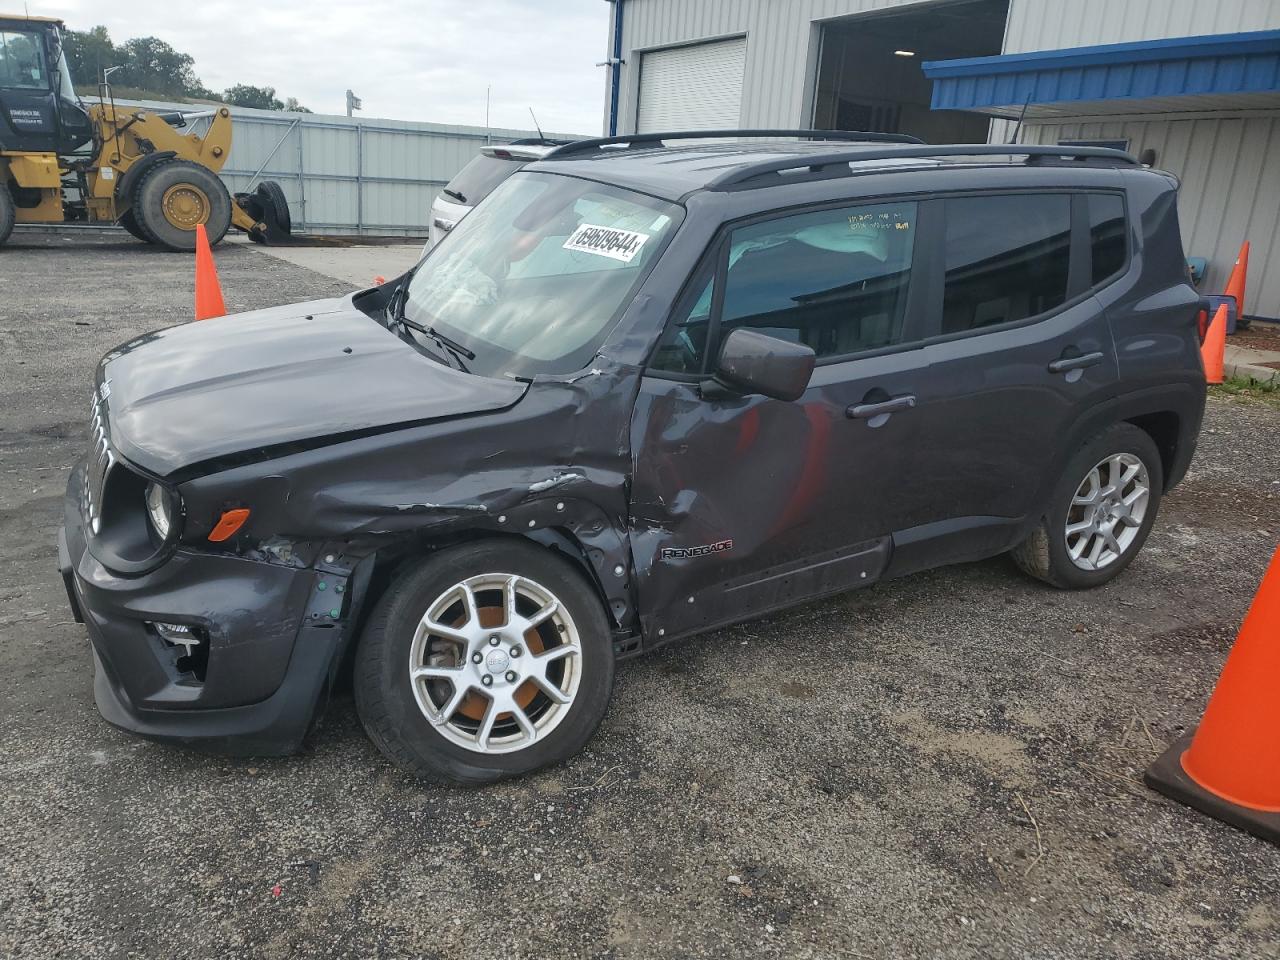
(1067, 364)
(869, 411)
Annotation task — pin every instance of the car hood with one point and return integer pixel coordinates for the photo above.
(305, 373)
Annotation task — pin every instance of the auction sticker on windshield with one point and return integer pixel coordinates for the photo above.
(607, 242)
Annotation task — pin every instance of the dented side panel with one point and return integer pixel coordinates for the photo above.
(742, 505)
(559, 460)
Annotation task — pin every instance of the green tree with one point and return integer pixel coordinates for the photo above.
(88, 51)
(148, 63)
(245, 95)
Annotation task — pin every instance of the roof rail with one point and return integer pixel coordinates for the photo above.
(1034, 154)
(578, 147)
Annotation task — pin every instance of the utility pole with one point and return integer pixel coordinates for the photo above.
(353, 102)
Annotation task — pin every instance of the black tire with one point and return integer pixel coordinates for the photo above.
(130, 223)
(149, 210)
(384, 694)
(8, 213)
(272, 195)
(1044, 555)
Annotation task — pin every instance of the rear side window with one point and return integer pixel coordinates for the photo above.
(835, 280)
(1007, 258)
(1107, 233)
(478, 178)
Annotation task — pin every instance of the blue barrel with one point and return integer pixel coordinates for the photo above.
(1214, 302)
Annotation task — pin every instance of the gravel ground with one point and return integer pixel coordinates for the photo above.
(944, 766)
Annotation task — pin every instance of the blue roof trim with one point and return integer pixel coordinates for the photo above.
(1181, 66)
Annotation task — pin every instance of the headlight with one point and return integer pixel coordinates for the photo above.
(160, 509)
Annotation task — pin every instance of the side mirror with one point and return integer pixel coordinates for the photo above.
(753, 362)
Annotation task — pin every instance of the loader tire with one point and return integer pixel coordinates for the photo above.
(7, 213)
(130, 223)
(272, 195)
(173, 197)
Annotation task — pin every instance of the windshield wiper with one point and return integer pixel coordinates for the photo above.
(399, 301)
(454, 194)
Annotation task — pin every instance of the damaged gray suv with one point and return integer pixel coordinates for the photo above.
(644, 390)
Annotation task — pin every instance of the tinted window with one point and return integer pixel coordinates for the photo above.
(835, 280)
(477, 179)
(684, 345)
(1006, 258)
(1106, 235)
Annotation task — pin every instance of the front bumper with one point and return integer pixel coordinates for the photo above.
(274, 638)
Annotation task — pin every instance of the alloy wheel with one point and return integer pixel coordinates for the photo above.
(1107, 511)
(495, 663)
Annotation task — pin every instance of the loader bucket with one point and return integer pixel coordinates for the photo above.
(270, 211)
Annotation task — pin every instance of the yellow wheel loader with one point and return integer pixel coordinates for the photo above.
(63, 160)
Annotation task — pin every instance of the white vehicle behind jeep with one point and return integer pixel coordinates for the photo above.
(478, 179)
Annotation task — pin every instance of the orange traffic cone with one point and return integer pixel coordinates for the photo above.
(208, 293)
(1214, 349)
(1236, 282)
(1230, 767)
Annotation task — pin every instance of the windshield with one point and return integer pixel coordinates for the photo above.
(533, 279)
(22, 60)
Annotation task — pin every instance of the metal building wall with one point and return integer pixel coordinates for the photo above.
(348, 175)
(782, 43)
(1045, 25)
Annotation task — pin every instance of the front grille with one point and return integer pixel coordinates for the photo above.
(98, 464)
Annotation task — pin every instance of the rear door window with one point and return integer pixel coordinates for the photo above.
(1107, 236)
(1006, 258)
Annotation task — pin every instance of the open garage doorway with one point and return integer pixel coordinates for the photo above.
(869, 75)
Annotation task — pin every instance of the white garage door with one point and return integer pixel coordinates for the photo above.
(698, 87)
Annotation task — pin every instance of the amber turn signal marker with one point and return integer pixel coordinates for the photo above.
(228, 524)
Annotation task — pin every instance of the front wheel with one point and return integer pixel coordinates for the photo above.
(484, 661)
(1102, 511)
(176, 196)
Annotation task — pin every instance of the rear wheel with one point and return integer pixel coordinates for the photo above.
(484, 661)
(1102, 511)
(7, 213)
(176, 196)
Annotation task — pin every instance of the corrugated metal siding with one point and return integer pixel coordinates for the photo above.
(1044, 25)
(781, 48)
(348, 175)
(1230, 172)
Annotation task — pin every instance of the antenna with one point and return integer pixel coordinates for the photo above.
(1017, 127)
(535, 124)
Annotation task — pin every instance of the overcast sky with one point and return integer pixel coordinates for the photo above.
(407, 59)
